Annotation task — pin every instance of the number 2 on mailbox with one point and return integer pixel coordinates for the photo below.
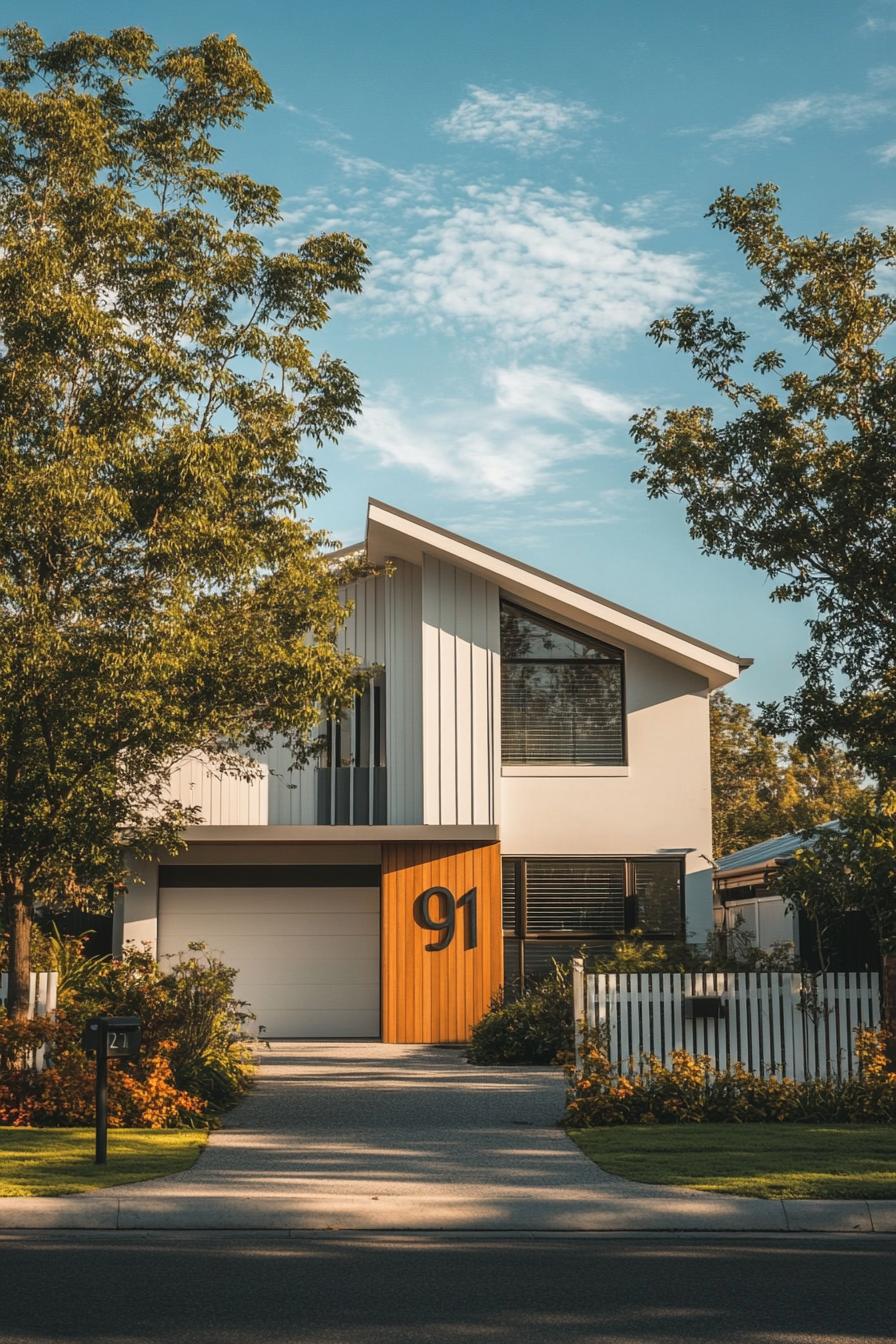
(446, 924)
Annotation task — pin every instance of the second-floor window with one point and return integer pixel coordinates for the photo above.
(351, 779)
(561, 694)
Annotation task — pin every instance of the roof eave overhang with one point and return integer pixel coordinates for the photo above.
(395, 535)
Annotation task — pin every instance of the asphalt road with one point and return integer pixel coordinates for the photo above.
(267, 1289)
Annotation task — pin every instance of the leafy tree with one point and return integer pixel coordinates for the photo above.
(763, 787)
(852, 867)
(745, 768)
(161, 591)
(799, 481)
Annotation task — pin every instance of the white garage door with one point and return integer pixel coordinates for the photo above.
(308, 956)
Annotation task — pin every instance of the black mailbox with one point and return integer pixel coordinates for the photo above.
(121, 1036)
(706, 1006)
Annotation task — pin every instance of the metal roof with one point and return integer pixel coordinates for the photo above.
(767, 851)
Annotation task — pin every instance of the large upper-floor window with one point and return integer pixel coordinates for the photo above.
(561, 694)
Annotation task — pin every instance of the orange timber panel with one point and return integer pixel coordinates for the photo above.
(438, 996)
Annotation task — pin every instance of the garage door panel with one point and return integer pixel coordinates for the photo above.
(245, 900)
(308, 960)
(257, 923)
(352, 971)
(308, 998)
(329, 1025)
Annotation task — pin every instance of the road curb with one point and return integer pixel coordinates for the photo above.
(87, 1213)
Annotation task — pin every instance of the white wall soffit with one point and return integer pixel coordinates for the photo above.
(392, 533)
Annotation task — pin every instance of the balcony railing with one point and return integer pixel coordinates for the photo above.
(351, 795)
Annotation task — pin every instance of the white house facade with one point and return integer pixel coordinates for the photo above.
(527, 772)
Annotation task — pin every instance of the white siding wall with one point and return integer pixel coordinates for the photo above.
(461, 675)
(404, 694)
(659, 802)
(224, 800)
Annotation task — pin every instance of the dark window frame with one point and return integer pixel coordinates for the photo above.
(620, 662)
(520, 929)
(520, 935)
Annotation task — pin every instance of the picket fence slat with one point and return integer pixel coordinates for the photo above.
(777, 1023)
(42, 991)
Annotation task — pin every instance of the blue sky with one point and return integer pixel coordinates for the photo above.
(531, 180)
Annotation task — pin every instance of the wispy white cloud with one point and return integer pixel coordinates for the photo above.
(838, 111)
(527, 430)
(875, 217)
(529, 265)
(529, 123)
(885, 153)
(880, 20)
(507, 526)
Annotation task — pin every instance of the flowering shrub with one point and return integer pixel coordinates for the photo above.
(142, 1092)
(192, 1060)
(693, 1090)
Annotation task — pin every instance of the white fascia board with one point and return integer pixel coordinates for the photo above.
(393, 534)
(338, 835)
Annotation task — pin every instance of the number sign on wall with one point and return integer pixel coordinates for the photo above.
(446, 923)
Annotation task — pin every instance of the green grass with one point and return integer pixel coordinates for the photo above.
(60, 1161)
(767, 1161)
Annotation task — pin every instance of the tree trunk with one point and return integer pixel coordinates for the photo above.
(19, 913)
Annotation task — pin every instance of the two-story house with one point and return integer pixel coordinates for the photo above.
(528, 771)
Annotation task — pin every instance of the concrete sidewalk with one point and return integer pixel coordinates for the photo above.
(365, 1137)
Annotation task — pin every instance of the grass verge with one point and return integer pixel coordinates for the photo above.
(766, 1161)
(60, 1161)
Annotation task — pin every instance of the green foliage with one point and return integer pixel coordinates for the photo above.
(534, 1028)
(852, 867)
(736, 952)
(692, 1090)
(798, 482)
(194, 1059)
(162, 591)
(763, 787)
(78, 974)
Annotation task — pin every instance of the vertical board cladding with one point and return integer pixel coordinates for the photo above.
(438, 996)
(222, 799)
(461, 688)
(404, 694)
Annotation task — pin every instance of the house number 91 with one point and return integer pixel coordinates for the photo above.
(445, 923)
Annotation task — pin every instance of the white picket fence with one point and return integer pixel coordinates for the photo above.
(790, 1025)
(42, 990)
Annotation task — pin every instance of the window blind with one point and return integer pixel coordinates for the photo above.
(562, 713)
(575, 895)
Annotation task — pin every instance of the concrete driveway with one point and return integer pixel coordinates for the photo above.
(368, 1136)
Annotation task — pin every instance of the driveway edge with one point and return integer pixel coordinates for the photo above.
(221, 1213)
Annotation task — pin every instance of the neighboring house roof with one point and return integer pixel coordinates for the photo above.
(768, 852)
(393, 534)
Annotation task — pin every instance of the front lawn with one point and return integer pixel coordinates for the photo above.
(60, 1161)
(769, 1161)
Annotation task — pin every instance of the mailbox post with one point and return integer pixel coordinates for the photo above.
(108, 1038)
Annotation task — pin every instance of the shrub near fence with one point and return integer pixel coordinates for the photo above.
(772, 1024)
(692, 1090)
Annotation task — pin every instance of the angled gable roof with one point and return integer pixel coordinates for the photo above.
(394, 534)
